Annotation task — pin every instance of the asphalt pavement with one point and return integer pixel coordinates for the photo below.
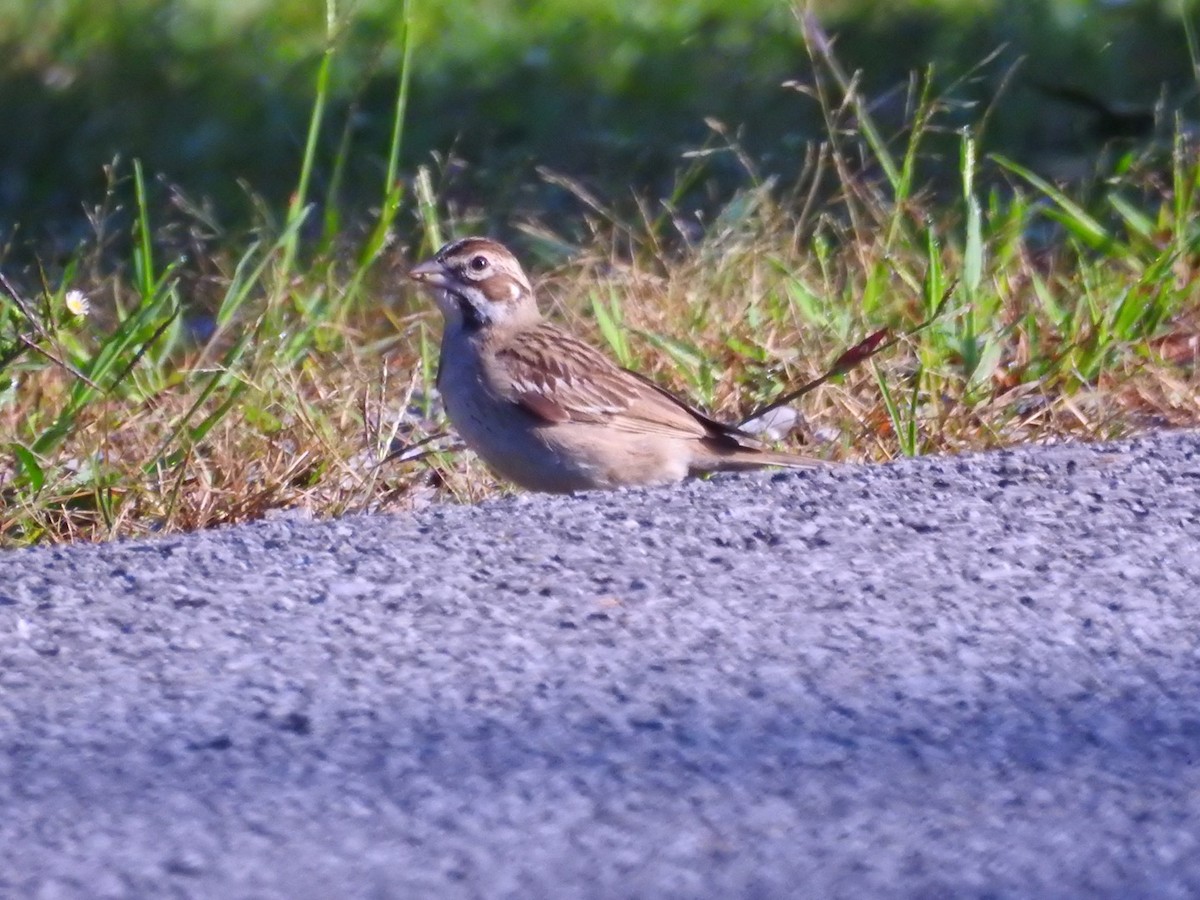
(972, 676)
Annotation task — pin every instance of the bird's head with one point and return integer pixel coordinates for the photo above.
(478, 284)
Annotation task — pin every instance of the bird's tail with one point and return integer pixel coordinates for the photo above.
(740, 459)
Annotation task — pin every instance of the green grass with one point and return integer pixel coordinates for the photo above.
(221, 375)
(215, 97)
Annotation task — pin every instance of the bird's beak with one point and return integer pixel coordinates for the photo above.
(428, 272)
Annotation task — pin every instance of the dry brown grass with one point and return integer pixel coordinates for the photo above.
(310, 437)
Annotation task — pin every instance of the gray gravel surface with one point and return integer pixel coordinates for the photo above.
(973, 676)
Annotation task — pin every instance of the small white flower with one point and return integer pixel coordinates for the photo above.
(77, 303)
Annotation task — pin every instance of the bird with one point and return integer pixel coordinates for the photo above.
(549, 412)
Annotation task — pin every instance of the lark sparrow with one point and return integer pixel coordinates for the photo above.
(549, 412)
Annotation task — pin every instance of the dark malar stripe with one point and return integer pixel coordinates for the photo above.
(472, 320)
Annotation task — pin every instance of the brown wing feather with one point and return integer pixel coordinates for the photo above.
(713, 428)
(559, 378)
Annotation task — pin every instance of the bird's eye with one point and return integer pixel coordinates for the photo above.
(478, 263)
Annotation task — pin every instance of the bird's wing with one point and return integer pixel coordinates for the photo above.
(558, 378)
